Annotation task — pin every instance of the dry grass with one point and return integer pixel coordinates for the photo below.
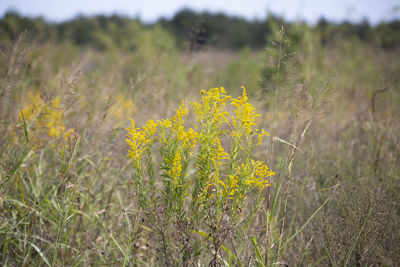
(71, 202)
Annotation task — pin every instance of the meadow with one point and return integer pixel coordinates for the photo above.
(286, 155)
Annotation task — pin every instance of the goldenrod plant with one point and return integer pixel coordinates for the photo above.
(40, 119)
(205, 172)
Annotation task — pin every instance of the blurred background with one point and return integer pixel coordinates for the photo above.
(324, 75)
(224, 24)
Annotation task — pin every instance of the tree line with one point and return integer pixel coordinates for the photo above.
(191, 30)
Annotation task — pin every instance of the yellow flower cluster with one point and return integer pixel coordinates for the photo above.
(247, 177)
(245, 119)
(230, 186)
(211, 114)
(41, 117)
(218, 153)
(211, 107)
(123, 108)
(213, 177)
(255, 174)
(170, 129)
(139, 140)
(188, 138)
(175, 167)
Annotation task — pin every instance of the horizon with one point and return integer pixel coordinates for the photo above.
(310, 11)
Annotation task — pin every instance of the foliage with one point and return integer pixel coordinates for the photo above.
(221, 181)
(191, 191)
(191, 30)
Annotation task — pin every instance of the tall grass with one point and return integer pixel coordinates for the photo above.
(70, 196)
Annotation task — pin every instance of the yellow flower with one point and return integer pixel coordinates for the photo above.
(191, 137)
(43, 118)
(218, 153)
(187, 139)
(176, 168)
(150, 129)
(260, 136)
(211, 106)
(245, 116)
(139, 140)
(180, 112)
(165, 123)
(122, 108)
(257, 175)
(54, 124)
(214, 179)
(230, 186)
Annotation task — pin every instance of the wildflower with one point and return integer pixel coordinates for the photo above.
(150, 129)
(191, 137)
(230, 186)
(54, 123)
(176, 167)
(211, 106)
(139, 140)
(220, 175)
(245, 116)
(123, 108)
(43, 119)
(260, 135)
(218, 153)
(257, 175)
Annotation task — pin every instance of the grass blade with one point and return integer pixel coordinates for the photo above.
(41, 254)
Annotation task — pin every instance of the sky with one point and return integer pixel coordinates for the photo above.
(150, 10)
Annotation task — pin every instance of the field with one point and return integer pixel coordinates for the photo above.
(200, 184)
